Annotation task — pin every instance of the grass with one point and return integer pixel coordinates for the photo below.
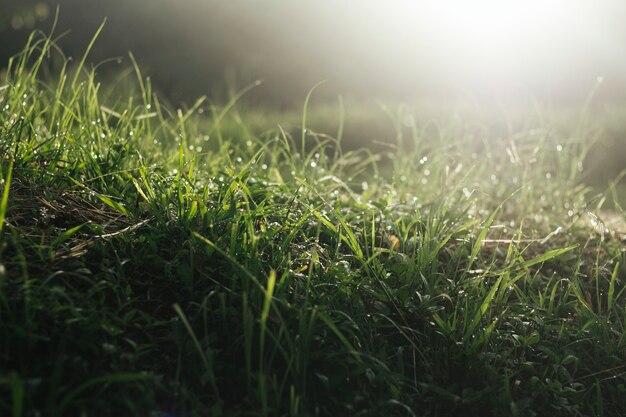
(167, 262)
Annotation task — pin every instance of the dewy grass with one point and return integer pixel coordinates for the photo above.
(180, 263)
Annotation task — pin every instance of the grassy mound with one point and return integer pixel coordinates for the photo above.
(167, 262)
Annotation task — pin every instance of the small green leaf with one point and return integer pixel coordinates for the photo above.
(67, 234)
(113, 204)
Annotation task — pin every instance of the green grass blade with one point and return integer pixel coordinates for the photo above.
(483, 308)
(268, 298)
(480, 239)
(324, 317)
(305, 111)
(113, 204)
(17, 394)
(551, 254)
(84, 57)
(104, 379)
(206, 360)
(611, 292)
(5, 195)
(66, 235)
(232, 260)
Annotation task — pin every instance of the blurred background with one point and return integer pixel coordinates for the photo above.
(399, 49)
(491, 54)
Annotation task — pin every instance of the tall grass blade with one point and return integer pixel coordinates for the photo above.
(121, 377)
(611, 292)
(5, 195)
(551, 254)
(206, 359)
(483, 309)
(305, 111)
(480, 239)
(17, 394)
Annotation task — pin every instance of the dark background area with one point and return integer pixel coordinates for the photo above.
(196, 47)
(191, 48)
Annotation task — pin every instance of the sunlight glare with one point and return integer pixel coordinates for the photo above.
(489, 40)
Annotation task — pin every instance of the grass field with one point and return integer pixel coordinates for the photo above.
(165, 262)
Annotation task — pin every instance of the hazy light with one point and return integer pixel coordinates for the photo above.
(509, 49)
(499, 28)
(499, 43)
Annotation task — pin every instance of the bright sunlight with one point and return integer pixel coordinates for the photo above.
(489, 41)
